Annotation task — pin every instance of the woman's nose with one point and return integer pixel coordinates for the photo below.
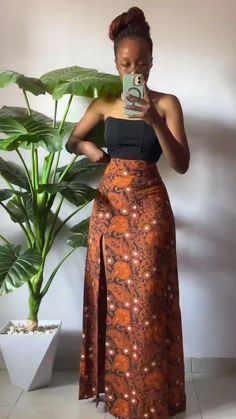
(135, 68)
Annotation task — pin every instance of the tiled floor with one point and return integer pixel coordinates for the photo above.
(209, 396)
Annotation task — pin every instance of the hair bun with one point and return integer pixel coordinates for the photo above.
(133, 17)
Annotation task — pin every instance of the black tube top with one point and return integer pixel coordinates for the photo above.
(131, 139)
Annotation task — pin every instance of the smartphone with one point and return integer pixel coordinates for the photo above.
(132, 84)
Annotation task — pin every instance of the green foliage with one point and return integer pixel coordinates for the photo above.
(16, 268)
(29, 84)
(80, 81)
(81, 236)
(13, 173)
(23, 129)
(34, 199)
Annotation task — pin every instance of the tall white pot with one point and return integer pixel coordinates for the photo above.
(30, 358)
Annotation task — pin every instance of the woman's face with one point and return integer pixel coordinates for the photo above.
(133, 56)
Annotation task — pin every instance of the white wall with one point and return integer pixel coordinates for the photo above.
(194, 58)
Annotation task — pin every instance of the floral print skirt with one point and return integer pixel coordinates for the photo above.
(132, 343)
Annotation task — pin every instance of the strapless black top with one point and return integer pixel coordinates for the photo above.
(132, 139)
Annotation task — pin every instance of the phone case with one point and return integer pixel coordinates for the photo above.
(132, 84)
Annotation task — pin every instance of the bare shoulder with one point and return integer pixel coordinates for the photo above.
(93, 115)
(98, 106)
(166, 103)
(103, 105)
(111, 105)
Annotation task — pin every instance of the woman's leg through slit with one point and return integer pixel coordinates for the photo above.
(102, 310)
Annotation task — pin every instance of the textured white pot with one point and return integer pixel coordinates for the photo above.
(29, 358)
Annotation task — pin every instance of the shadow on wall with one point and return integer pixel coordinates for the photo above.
(204, 198)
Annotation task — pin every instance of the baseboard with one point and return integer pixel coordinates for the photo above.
(70, 361)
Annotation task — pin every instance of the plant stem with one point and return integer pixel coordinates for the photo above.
(55, 114)
(54, 123)
(63, 223)
(45, 289)
(30, 287)
(48, 166)
(56, 166)
(30, 183)
(27, 103)
(5, 240)
(27, 172)
(67, 168)
(33, 166)
(34, 303)
(59, 131)
(48, 238)
(36, 165)
(65, 114)
(38, 231)
(37, 279)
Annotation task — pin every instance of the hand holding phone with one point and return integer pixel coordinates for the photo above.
(132, 84)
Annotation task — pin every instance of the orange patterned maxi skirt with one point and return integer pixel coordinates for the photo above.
(132, 346)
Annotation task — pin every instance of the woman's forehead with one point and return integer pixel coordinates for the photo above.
(132, 48)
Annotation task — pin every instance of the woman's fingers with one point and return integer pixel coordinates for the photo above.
(134, 107)
(133, 98)
(146, 92)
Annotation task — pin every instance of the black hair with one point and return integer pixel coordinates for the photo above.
(131, 24)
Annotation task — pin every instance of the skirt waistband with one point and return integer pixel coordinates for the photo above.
(124, 167)
(132, 173)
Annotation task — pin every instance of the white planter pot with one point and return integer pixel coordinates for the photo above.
(29, 358)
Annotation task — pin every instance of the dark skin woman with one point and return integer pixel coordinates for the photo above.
(132, 245)
(161, 110)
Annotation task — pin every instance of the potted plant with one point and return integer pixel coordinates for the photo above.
(33, 198)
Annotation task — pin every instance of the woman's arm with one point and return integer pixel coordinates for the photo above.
(169, 130)
(171, 134)
(77, 144)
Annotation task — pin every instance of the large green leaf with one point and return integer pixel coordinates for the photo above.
(17, 214)
(30, 84)
(81, 81)
(8, 193)
(13, 173)
(84, 166)
(29, 207)
(20, 113)
(15, 209)
(80, 239)
(5, 194)
(23, 129)
(76, 192)
(16, 268)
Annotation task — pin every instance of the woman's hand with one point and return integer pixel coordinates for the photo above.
(146, 109)
(94, 153)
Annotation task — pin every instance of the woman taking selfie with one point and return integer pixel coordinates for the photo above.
(132, 347)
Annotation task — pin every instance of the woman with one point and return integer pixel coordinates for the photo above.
(132, 346)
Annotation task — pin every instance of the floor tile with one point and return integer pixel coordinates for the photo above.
(209, 396)
(5, 411)
(9, 394)
(216, 394)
